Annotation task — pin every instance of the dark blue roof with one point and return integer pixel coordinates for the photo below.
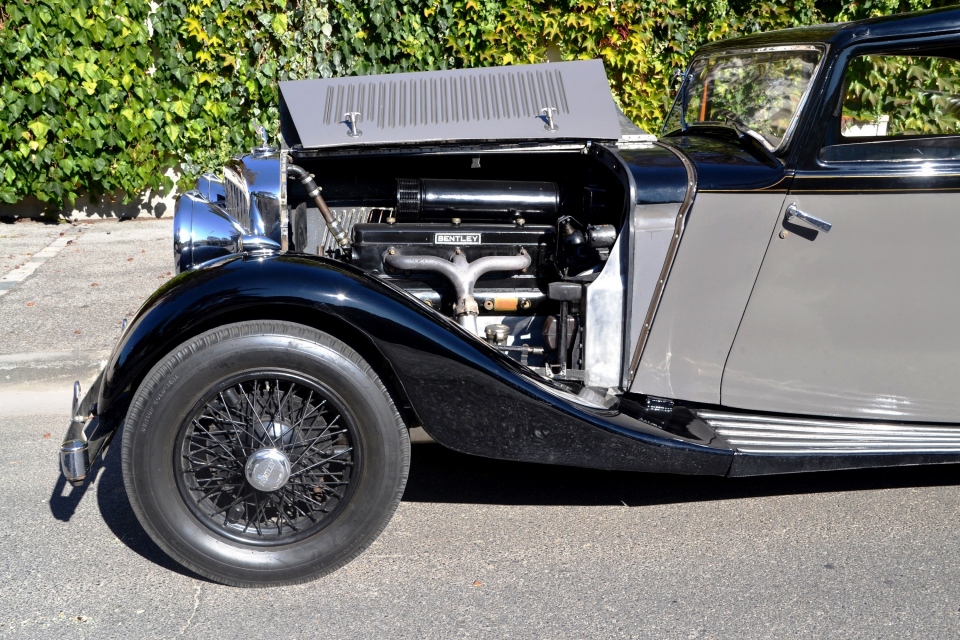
(920, 23)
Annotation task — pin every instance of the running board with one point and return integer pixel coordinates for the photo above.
(766, 444)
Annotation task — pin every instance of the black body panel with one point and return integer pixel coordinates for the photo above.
(659, 175)
(728, 165)
(842, 33)
(467, 395)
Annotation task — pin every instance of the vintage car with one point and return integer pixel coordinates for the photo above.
(500, 257)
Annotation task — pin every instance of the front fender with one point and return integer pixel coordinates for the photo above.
(468, 395)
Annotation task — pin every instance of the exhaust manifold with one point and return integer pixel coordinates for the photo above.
(462, 274)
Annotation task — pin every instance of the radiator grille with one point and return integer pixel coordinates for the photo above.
(237, 196)
(311, 234)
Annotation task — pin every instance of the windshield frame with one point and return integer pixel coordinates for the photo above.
(823, 49)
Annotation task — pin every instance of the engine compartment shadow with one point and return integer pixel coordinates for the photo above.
(438, 474)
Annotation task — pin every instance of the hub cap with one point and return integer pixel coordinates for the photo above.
(267, 469)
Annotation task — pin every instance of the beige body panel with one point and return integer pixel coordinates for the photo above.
(860, 322)
(716, 265)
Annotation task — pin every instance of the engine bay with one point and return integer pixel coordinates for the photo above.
(506, 244)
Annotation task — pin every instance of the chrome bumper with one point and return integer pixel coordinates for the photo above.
(80, 449)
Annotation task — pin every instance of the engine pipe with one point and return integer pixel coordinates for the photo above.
(313, 191)
(462, 274)
(429, 199)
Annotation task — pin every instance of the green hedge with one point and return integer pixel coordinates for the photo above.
(102, 96)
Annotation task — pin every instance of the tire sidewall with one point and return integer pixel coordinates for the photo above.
(175, 386)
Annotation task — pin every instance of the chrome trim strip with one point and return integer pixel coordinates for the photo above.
(284, 209)
(678, 229)
(775, 434)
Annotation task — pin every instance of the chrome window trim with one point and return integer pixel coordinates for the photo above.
(824, 50)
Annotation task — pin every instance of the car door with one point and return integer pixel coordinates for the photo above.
(856, 308)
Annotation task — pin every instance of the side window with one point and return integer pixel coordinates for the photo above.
(899, 107)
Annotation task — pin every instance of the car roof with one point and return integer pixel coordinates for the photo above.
(902, 25)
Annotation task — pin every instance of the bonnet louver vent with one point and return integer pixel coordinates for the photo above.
(499, 103)
(489, 95)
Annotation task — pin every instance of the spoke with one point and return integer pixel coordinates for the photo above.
(240, 498)
(316, 410)
(256, 514)
(254, 410)
(322, 436)
(198, 447)
(217, 440)
(307, 515)
(322, 505)
(212, 465)
(290, 524)
(324, 461)
(219, 416)
(232, 422)
(218, 489)
(282, 399)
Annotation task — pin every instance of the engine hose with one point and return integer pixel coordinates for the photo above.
(313, 190)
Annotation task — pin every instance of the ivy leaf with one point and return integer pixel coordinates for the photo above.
(279, 23)
(98, 31)
(39, 128)
(9, 195)
(180, 108)
(34, 102)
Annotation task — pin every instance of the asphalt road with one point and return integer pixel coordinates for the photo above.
(478, 548)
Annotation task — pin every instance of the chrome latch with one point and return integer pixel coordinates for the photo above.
(794, 212)
(548, 114)
(352, 119)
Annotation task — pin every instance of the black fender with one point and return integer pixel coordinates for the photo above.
(466, 394)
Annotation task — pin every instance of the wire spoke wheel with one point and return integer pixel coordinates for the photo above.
(267, 458)
(263, 453)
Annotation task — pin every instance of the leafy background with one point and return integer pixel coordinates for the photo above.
(101, 97)
(920, 95)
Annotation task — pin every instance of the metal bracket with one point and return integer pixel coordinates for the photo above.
(549, 113)
(353, 119)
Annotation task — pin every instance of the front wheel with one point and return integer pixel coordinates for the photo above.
(264, 453)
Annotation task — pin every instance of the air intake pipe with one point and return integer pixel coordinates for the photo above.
(313, 191)
(433, 200)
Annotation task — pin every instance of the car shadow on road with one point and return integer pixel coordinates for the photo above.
(438, 474)
(116, 511)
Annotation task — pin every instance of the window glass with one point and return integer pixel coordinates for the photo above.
(889, 96)
(755, 90)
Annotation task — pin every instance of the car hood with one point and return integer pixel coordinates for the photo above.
(500, 104)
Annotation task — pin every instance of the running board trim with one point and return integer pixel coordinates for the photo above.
(764, 434)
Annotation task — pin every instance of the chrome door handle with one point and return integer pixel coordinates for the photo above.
(817, 223)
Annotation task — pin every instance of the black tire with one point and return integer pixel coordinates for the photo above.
(176, 423)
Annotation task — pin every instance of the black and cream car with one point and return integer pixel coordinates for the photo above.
(500, 257)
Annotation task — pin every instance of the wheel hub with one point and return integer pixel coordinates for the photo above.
(268, 469)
